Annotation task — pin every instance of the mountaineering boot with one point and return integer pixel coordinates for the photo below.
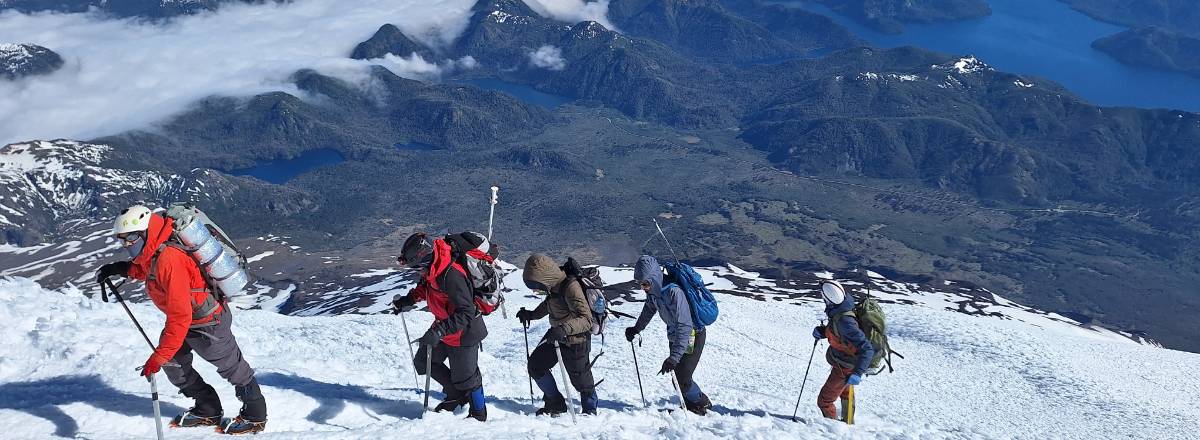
(589, 401)
(207, 410)
(253, 417)
(452, 403)
(700, 406)
(555, 404)
(240, 426)
(478, 401)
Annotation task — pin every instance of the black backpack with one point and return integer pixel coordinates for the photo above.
(593, 289)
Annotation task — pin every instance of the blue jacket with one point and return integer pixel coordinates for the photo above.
(846, 329)
(671, 304)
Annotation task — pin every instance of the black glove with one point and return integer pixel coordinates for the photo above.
(556, 334)
(668, 366)
(630, 332)
(431, 337)
(819, 332)
(525, 316)
(402, 303)
(108, 270)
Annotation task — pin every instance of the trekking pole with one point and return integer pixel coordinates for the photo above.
(428, 373)
(567, 380)
(665, 240)
(153, 384)
(492, 211)
(404, 322)
(805, 381)
(639, 374)
(157, 410)
(527, 373)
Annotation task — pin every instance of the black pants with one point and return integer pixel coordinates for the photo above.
(461, 377)
(575, 357)
(687, 366)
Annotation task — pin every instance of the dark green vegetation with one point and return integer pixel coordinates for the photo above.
(151, 9)
(890, 15)
(21, 60)
(1154, 47)
(901, 160)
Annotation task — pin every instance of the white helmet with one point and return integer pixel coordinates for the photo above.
(133, 219)
(833, 292)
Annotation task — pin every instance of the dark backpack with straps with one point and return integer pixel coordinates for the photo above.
(477, 256)
(593, 290)
(873, 323)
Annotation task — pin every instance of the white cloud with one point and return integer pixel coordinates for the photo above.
(573, 11)
(548, 57)
(121, 74)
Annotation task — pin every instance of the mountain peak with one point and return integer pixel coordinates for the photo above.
(22, 60)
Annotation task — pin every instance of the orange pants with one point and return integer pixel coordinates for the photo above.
(835, 388)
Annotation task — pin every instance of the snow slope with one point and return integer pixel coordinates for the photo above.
(66, 369)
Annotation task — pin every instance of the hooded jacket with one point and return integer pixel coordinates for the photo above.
(175, 287)
(671, 304)
(848, 345)
(448, 292)
(566, 304)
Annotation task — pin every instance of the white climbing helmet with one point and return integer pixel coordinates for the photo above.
(133, 219)
(833, 292)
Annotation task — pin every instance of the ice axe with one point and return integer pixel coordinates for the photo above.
(105, 287)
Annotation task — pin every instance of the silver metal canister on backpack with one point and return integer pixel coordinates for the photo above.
(220, 261)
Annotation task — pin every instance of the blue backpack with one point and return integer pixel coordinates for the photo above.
(702, 302)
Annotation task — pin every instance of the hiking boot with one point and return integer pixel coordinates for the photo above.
(700, 406)
(240, 426)
(480, 415)
(189, 420)
(554, 406)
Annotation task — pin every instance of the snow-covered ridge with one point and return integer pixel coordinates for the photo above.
(68, 365)
(65, 180)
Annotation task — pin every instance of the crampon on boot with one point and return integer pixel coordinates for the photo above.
(190, 420)
(241, 426)
(452, 403)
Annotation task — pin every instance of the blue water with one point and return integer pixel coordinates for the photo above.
(280, 171)
(522, 92)
(1047, 39)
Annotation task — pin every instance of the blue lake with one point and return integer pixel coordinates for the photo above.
(522, 92)
(1047, 39)
(279, 171)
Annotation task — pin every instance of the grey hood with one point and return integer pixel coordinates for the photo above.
(648, 269)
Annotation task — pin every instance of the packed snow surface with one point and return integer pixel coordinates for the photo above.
(66, 370)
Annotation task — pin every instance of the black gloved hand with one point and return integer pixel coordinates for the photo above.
(668, 366)
(819, 332)
(525, 316)
(431, 337)
(630, 333)
(108, 270)
(402, 303)
(556, 334)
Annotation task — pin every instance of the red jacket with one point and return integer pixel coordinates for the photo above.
(172, 290)
(448, 292)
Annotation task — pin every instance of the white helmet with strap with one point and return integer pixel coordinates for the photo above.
(833, 292)
(135, 218)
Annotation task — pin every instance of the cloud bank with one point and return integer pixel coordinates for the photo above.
(573, 11)
(123, 74)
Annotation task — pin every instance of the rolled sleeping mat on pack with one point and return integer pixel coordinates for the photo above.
(220, 264)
